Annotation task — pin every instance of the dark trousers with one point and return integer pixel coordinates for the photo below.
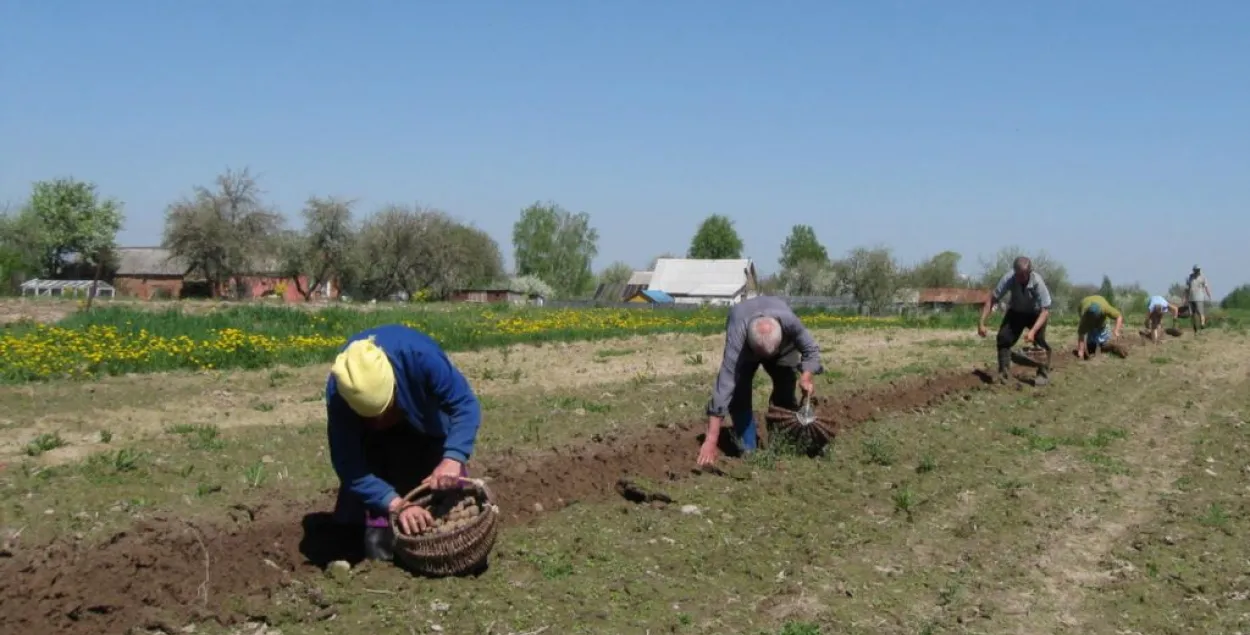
(400, 456)
(1014, 325)
(784, 373)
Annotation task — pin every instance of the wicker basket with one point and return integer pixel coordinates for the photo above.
(460, 551)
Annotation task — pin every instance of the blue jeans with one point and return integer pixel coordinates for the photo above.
(784, 372)
(1095, 339)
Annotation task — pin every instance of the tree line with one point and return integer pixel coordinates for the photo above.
(226, 230)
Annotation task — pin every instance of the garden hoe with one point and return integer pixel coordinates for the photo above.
(806, 415)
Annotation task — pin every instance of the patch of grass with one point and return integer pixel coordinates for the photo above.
(1045, 443)
(605, 353)
(879, 450)
(909, 370)
(575, 404)
(45, 443)
(927, 464)
(800, 628)
(205, 437)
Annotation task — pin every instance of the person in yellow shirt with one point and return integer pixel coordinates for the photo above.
(1093, 333)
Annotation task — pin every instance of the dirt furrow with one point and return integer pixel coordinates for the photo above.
(165, 572)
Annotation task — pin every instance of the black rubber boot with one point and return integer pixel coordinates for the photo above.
(1043, 372)
(1004, 365)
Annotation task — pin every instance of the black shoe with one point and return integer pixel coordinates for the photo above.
(379, 543)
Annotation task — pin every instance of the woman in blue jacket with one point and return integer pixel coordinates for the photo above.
(399, 415)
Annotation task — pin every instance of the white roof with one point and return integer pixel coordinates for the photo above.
(640, 277)
(41, 285)
(707, 278)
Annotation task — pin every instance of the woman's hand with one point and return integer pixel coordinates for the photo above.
(412, 519)
(446, 476)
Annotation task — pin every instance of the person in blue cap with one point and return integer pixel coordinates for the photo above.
(760, 331)
(1093, 332)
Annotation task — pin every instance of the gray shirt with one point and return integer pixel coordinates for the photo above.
(1198, 288)
(739, 357)
(1030, 297)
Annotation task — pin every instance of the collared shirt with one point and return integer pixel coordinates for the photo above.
(1197, 285)
(1031, 297)
(739, 356)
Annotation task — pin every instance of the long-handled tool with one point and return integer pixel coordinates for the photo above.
(806, 414)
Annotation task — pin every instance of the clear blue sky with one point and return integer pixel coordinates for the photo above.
(1114, 134)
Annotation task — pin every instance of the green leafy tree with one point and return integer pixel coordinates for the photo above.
(1107, 290)
(871, 276)
(413, 250)
(556, 246)
(20, 247)
(715, 239)
(322, 252)
(809, 277)
(62, 219)
(802, 246)
(223, 232)
(616, 273)
(939, 272)
(1239, 298)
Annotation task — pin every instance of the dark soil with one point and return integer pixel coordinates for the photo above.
(155, 575)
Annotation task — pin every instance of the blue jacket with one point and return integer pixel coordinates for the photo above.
(435, 399)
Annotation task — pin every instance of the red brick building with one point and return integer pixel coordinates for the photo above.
(952, 298)
(152, 273)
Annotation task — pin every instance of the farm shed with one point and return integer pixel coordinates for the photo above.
(609, 293)
(716, 282)
(148, 272)
(492, 296)
(950, 298)
(651, 296)
(640, 279)
(154, 272)
(67, 288)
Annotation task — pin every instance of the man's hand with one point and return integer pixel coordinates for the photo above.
(710, 451)
(446, 475)
(981, 330)
(412, 519)
(805, 384)
(1080, 349)
(1030, 335)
